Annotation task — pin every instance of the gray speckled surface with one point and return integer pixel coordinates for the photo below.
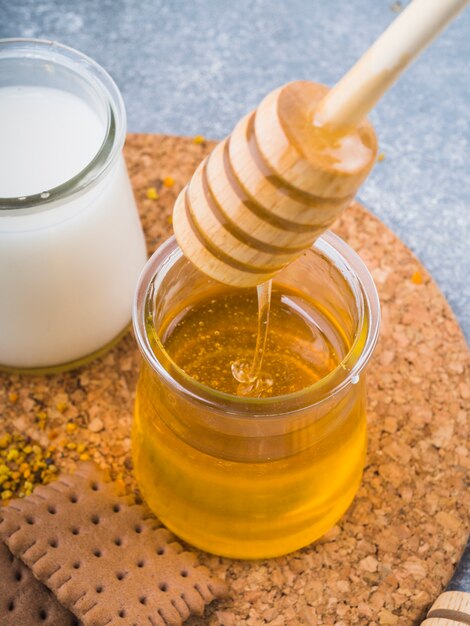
(195, 66)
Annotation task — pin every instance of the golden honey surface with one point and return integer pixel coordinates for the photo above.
(213, 334)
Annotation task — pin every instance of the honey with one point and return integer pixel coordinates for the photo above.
(223, 329)
(246, 509)
(239, 508)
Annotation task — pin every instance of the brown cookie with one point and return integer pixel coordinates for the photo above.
(24, 601)
(105, 557)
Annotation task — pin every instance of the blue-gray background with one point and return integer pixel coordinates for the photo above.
(191, 67)
(195, 66)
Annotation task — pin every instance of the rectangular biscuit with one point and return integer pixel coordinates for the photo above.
(24, 601)
(104, 556)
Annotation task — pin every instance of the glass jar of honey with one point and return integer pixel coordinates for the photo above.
(253, 476)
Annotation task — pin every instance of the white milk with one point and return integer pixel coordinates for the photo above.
(46, 137)
(68, 269)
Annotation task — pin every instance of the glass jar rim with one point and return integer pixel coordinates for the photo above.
(114, 133)
(346, 373)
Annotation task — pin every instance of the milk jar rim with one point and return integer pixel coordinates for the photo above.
(56, 54)
(347, 373)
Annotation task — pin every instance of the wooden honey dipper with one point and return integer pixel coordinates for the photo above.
(293, 165)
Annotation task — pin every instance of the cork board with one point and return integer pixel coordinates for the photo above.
(396, 547)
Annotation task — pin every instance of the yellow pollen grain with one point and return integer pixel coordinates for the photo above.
(13, 454)
(5, 441)
(152, 193)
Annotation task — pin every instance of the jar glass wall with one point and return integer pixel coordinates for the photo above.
(253, 477)
(71, 249)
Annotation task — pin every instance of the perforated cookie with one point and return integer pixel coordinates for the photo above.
(24, 601)
(105, 557)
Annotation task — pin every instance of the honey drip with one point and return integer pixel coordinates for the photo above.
(252, 381)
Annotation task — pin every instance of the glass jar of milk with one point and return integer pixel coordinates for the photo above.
(71, 243)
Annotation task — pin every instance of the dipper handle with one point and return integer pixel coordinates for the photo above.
(451, 608)
(366, 82)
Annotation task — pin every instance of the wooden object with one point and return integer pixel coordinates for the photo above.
(270, 189)
(366, 82)
(395, 549)
(452, 608)
(291, 167)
